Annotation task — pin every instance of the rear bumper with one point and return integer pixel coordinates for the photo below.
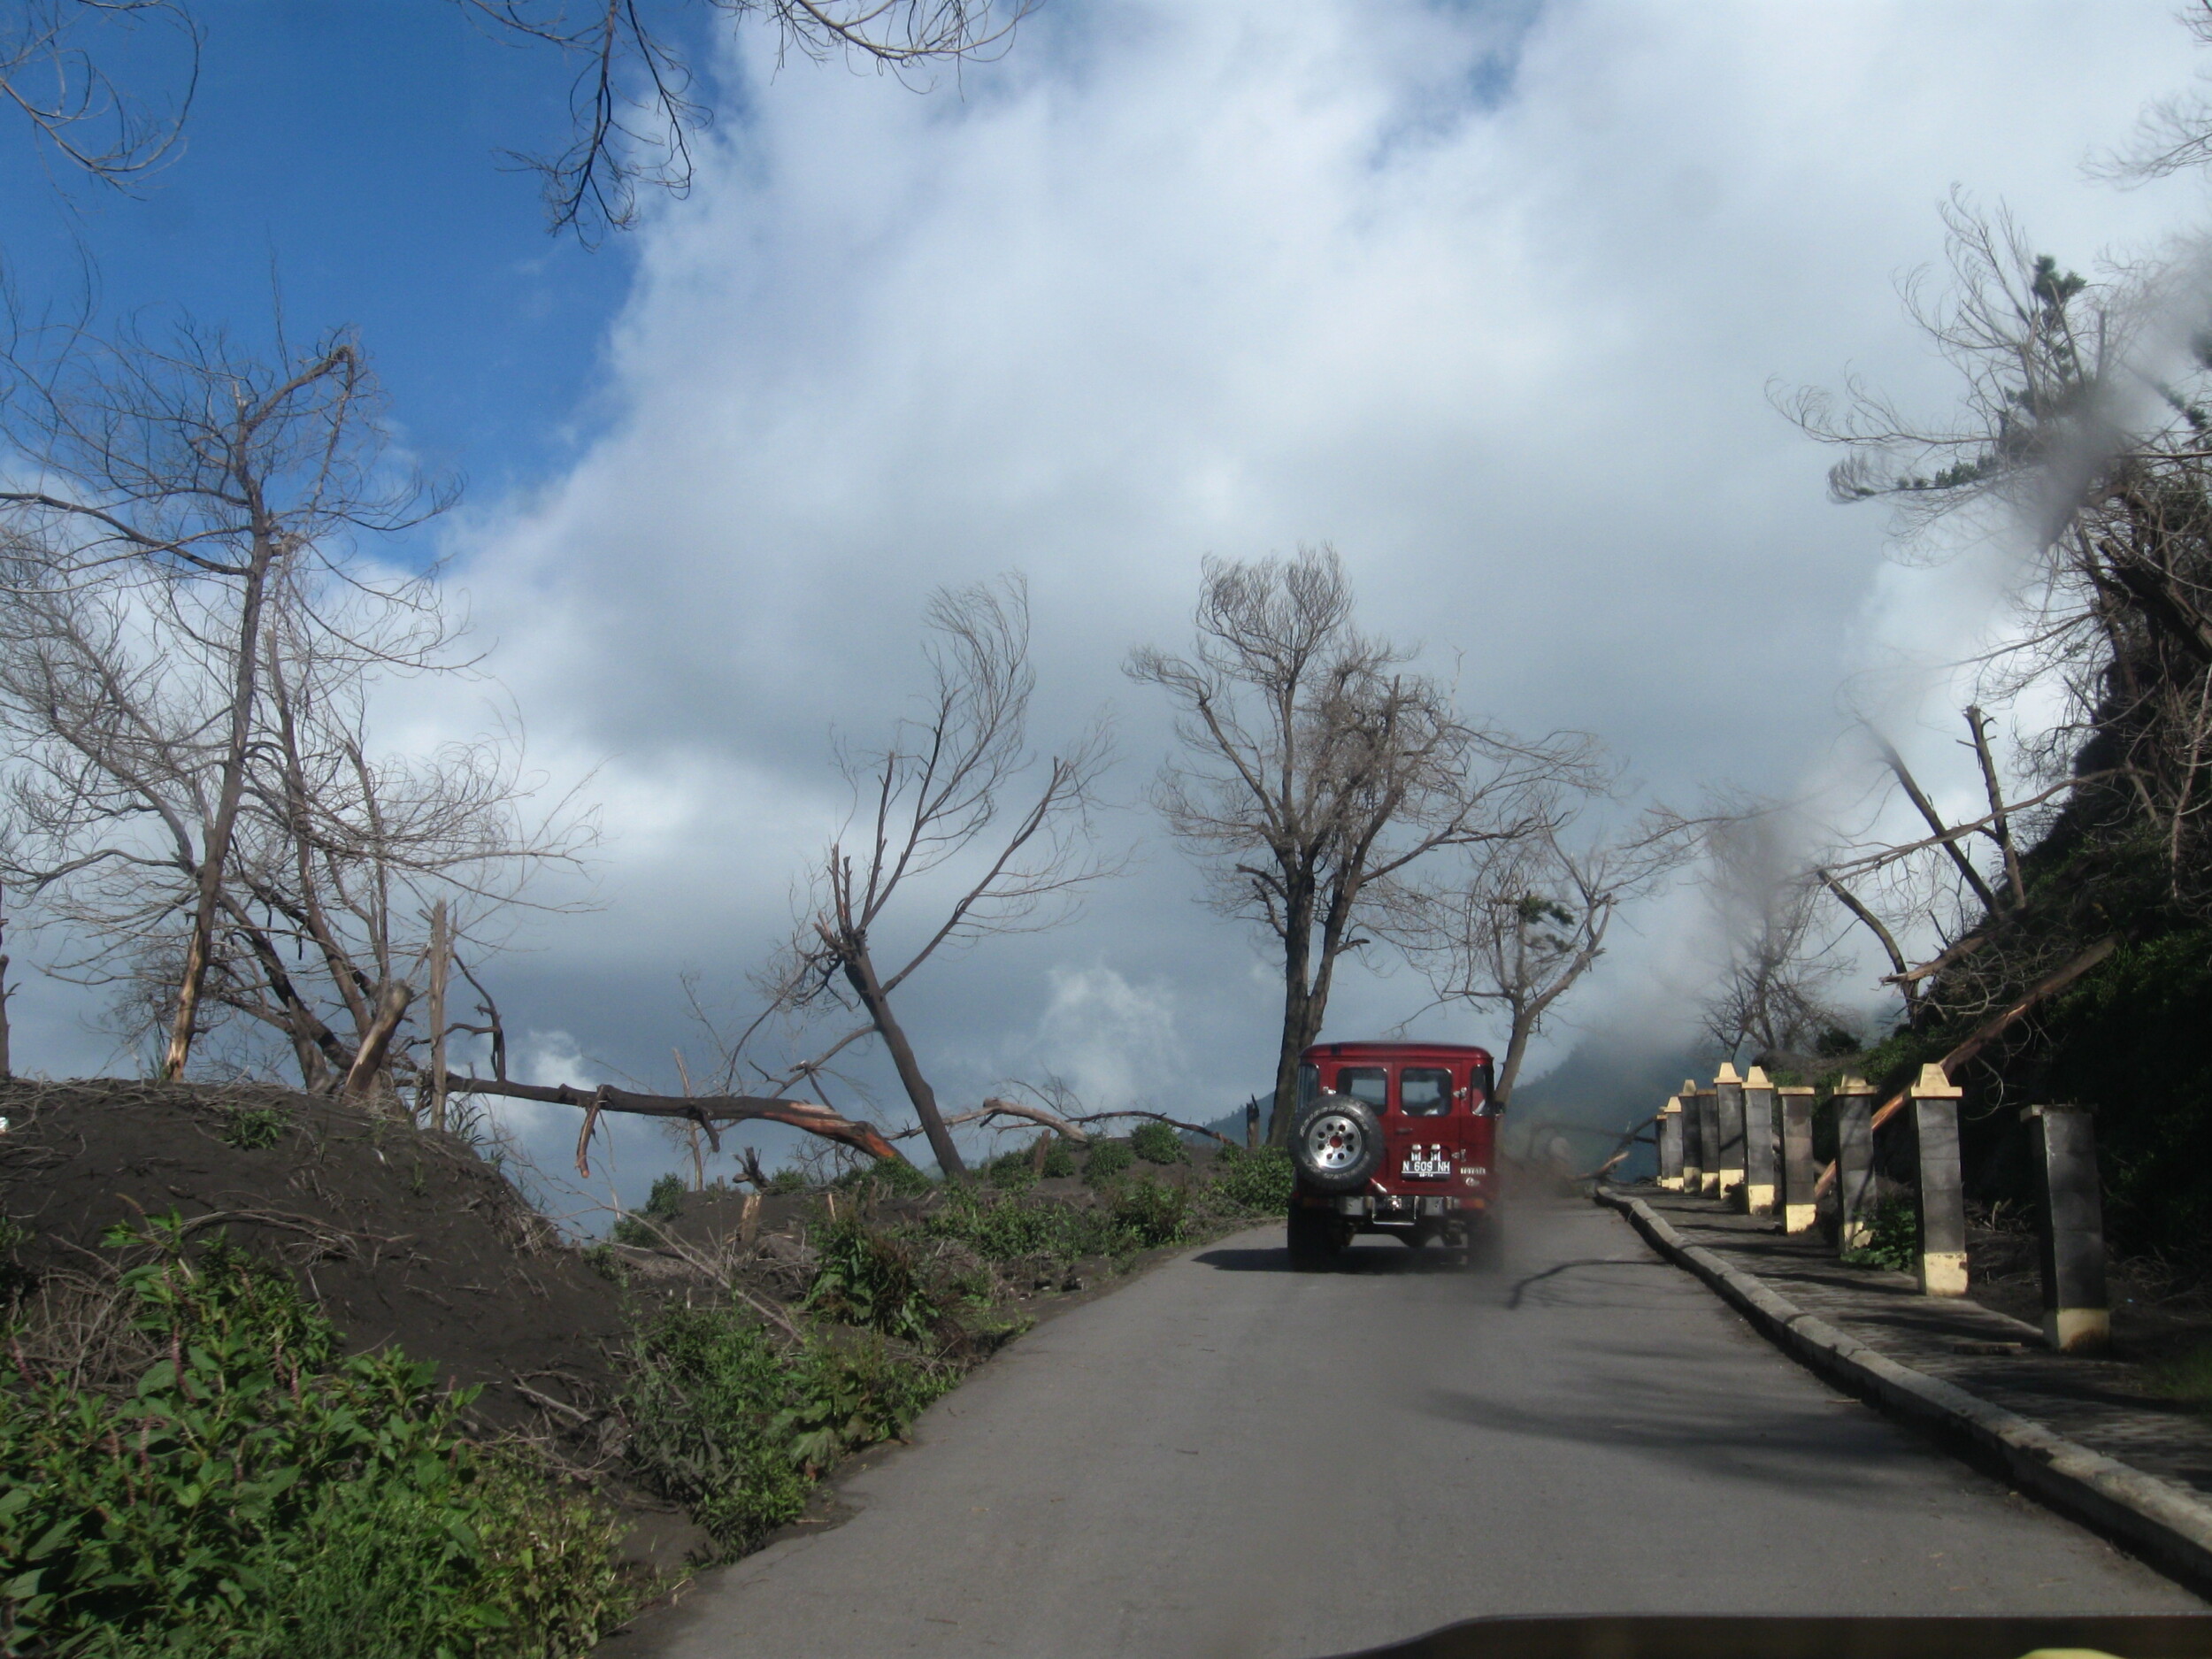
(1382, 1207)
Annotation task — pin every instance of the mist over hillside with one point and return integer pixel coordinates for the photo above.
(1606, 1082)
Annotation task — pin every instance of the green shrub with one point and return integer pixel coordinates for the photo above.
(253, 1129)
(666, 1201)
(734, 1427)
(1018, 1172)
(1151, 1212)
(1894, 1238)
(1256, 1182)
(870, 1276)
(637, 1232)
(2186, 1377)
(379, 1578)
(843, 1398)
(893, 1176)
(1107, 1159)
(704, 1389)
(14, 1279)
(787, 1180)
(1158, 1143)
(1000, 1229)
(255, 1495)
(603, 1262)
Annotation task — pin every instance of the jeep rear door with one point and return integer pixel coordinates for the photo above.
(1423, 1132)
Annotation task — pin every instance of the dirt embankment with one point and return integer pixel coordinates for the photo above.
(402, 1238)
(415, 1240)
(2161, 1313)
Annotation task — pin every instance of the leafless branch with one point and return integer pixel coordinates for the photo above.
(52, 72)
(1315, 767)
(635, 102)
(944, 796)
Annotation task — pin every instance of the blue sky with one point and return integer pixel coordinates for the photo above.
(1191, 277)
(351, 151)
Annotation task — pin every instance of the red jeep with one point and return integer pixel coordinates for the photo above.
(1392, 1137)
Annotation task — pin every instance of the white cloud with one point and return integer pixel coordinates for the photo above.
(553, 1057)
(1115, 1044)
(1489, 296)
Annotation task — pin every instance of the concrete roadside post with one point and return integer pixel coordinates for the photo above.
(1708, 1142)
(1855, 1164)
(1693, 1139)
(1800, 1174)
(1728, 1106)
(1941, 1253)
(2077, 1313)
(1759, 1178)
(1670, 1138)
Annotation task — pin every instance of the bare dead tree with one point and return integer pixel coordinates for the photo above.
(636, 103)
(189, 645)
(2175, 133)
(1924, 899)
(52, 54)
(2085, 419)
(118, 712)
(7, 1061)
(1315, 765)
(1513, 926)
(204, 479)
(940, 796)
(1776, 973)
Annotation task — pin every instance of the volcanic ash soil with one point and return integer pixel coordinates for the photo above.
(403, 1237)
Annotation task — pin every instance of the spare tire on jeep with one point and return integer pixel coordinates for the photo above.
(1337, 1145)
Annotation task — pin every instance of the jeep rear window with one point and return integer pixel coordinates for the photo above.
(1369, 1083)
(1425, 1091)
(1309, 1085)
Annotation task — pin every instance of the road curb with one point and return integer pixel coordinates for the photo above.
(2168, 1526)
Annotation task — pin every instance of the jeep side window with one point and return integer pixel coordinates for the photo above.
(1425, 1091)
(1309, 1085)
(1369, 1083)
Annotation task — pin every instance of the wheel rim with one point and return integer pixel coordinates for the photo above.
(1334, 1141)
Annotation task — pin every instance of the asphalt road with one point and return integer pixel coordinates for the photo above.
(1227, 1459)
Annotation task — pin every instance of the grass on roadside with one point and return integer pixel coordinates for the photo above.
(236, 1487)
(736, 1419)
(1893, 1238)
(2186, 1378)
(736, 1423)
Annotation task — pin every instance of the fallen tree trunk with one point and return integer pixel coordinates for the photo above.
(1161, 1117)
(1987, 1033)
(1069, 1127)
(993, 1106)
(706, 1110)
(1631, 1137)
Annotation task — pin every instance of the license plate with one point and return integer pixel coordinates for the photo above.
(1432, 1165)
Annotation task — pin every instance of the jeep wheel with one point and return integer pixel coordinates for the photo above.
(1313, 1239)
(1337, 1146)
